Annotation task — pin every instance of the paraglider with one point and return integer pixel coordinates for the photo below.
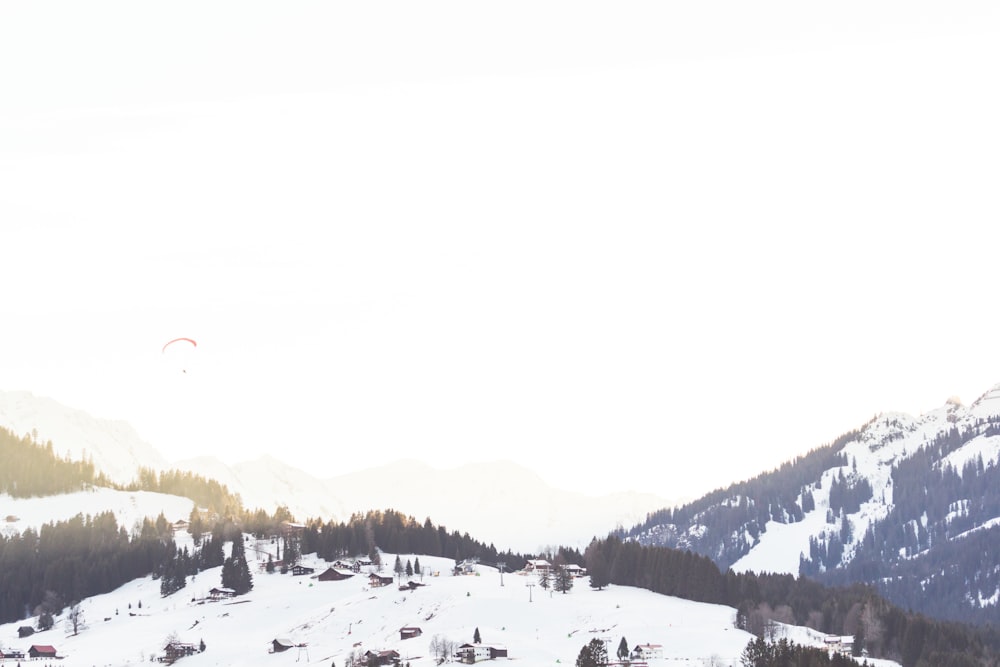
(177, 340)
(182, 347)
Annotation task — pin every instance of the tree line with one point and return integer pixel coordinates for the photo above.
(761, 600)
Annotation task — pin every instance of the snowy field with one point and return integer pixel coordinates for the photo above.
(327, 621)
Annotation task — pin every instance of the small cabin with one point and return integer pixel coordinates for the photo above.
(281, 645)
(410, 632)
(334, 575)
(221, 593)
(299, 570)
(377, 580)
(25, 631)
(174, 651)
(378, 658)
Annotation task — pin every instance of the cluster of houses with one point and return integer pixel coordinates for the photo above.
(36, 652)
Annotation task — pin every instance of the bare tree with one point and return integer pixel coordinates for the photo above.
(442, 649)
(75, 619)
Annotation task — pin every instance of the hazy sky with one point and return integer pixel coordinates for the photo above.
(650, 246)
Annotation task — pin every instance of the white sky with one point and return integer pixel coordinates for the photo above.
(651, 246)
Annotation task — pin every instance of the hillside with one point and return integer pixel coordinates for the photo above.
(328, 621)
(902, 499)
(500, 499)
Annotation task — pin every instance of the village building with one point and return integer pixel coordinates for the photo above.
(331, 574)
(410, 632)
(410, 586)
(377, 658)
(647, 651)
(11, 654)
(41, 651)
(221, 593)
(291, 529)
(537, 566)
(299, 570)
(377, 580)
(844, 645)
(350, 566)
(25, 631)
(472, 653)
(174, 651)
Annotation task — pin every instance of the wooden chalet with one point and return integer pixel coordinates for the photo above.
(410, 632)
(174, 651)
(281, 645)
(334, 575)
(11, 654)
(221, 593)
(410, 586)
(377, 658)
(353, 566)
(41, 651)
(472, 653)
(25, 631)
(298, 570)
(377, 580)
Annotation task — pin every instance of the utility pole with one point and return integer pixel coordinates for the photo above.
(530, 586)
(501, 565)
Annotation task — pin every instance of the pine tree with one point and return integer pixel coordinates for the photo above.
(594, 654)
(476, 637)
(622, 649)
(564, 579)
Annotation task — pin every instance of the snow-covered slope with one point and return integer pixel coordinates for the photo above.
(129, 508)
(114, 446)
(889, 439)
(328, 621)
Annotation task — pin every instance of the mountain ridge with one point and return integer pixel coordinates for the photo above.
(880, 505)
(502, 499)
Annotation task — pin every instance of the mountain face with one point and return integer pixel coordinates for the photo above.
(498, 502)
(114, 446)
(908, 504)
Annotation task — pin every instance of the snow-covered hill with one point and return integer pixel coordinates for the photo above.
(903, 499)
(129, 508)
(328, 621)
(113, 445)
(498, 502)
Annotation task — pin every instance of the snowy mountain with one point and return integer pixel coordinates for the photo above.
(903, 499)
(498, 502)
(327, 622)
(113, 445)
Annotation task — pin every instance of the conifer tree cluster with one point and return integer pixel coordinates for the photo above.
(33, 469)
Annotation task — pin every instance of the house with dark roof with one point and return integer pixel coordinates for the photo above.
(410, 632)
(299, 570)
(472, 653)
(376, 580)
(334, 575)
(376, 658)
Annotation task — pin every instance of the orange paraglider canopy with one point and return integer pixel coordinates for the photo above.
(171, 342)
